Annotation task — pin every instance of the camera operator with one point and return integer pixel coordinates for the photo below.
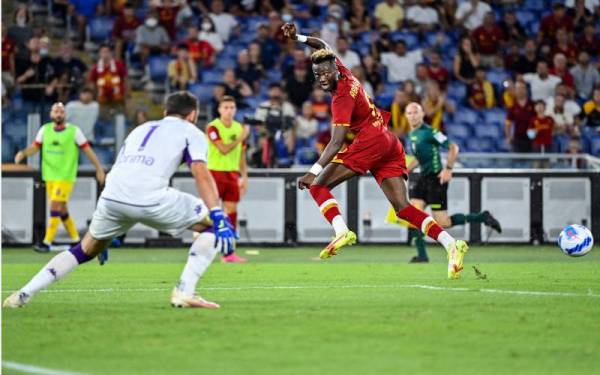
(276, 117)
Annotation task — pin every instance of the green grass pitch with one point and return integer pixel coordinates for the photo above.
(365, 311)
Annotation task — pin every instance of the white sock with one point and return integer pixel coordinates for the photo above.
(339, 225)
(445, 239)
(56, 269)
(202, 252)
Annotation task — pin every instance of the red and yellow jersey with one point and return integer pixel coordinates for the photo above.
(110, 80)
(352, 107)
(543, 130)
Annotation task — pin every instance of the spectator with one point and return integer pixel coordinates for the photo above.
(466, 61)
(124, 28)
(9, 48)
(560, 70)
(580, 14)
(20, 32)
(527, 62)
(255, 54)
(70, 72)
(508, 94)
(591, 111)
(306, 124)
(470, 14)
(299, 86)
(38, 83)
(585, 76)
(218, 95)
(422, 17)
(84, 10)
(542, 83)
(296, 59)
(511, 28)
(359, 17)
(435, 105)
(236, 88)
(167, 16)
(541, 129)
(224, 22)
(140, 117)
(151, 38)
(269, 49)
(564, 46)
(109, 77)
(320, 105)
(182, 71)
(488, 39)
(209, 34)
(411, 91)
(564, 121)
(447, 10)
(398, 122)
(274, 24)
(591, 6)
(371, 70)
(570, 105)
(84, 112)
(436, 71)
(400, 63)
(349, 58)
(518, 120)
(589, 40)
(382, 44)
(247, 72)
(389, 13)
(481, 92)
(200, 51)
(421, 79)
(331, 29)
(552, 22)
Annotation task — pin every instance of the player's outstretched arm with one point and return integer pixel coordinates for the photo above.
(91, 155)
(22, 154)
(289, 30)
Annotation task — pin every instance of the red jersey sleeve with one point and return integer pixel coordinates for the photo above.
(342, 106)
(213, 134)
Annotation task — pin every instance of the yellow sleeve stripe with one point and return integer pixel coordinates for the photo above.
(341, 124)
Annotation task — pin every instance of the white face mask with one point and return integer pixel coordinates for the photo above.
(151, 22)
(21, 21)
(206, 26)
(44, 51)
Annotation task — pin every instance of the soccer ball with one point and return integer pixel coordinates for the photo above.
(575, 240)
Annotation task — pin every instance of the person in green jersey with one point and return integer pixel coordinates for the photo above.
(431, 188)
(227, 162)
(60, 143)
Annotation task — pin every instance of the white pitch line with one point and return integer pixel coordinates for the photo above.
(29, 369)
(300, 287)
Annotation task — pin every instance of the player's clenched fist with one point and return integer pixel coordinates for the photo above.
(289, 30)
(305, 181)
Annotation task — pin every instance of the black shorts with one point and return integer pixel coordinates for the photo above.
(429, 189)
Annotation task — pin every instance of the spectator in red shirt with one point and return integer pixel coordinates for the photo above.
(437, 71)
(540, 129)
(488, 39)
(554, 21)
(481, 92)
(561, 70)
(124, 29)
(200, 50)
(518, 120)
(167, 16)
(589, 40)
(8, 55)
(511, 28)
(109, 77)
(564, 46)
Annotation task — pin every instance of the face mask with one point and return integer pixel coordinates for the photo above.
(44, 51)
(206, 26)
(286, 18)
(151, 22)
(21, 21)
(332, 26)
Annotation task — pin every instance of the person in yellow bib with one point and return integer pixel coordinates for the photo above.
(60, 142)
(227, 161)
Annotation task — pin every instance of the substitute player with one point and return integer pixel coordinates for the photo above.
(137, 191)
(227, 162)
(431, 188)
(374, 149)
(60, 143)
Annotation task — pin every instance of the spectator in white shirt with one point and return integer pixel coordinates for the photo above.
(422, 17)
(564, 120)
(541, 83)
(592, 5)
(224, 22)
(84, 112)
(349, 58)
(401, 64)
(571, 105)
(306, 125)
(208, 33)
(585, 76)
(470, 13)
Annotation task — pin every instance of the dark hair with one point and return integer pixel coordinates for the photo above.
(181, 103)
(275, 85)
(542, 102)
(227, 98)
(86, 89)
(105, 45)
(27, 15)
(183, 46)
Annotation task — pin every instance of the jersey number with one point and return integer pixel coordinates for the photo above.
(147, 137)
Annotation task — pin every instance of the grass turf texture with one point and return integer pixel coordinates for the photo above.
(358, 313)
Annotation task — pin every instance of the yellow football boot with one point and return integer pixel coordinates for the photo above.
(456, 255)
(346, 239)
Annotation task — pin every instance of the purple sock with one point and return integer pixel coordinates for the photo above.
(55, 213)
(78, 253)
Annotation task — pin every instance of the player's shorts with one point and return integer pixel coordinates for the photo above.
(59, 191)
(428, 189)
(383, 156)
(175, 212)
(228, 185)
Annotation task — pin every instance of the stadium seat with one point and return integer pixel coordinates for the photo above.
(439, 40)
(390, 88)
(525, 17)
(384, 100)
(466, 116)
(595, 145)
(203, 91)
(157, 66)
(533, 27)
(497, 77)
(457, 91)
(411, 39)
(535, 5)
(306, 155)
(7, 150)
(458, 131)
(212, 76)
(253, 101)
(480, 145)
(100, 28)
(494, 116)
(274, 75)
(491, 131)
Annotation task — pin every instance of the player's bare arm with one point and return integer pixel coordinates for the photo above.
(227, 148)
(338, 135)
(22, 154)
(289, 30)
(243, 174)
(91, 155)
(446, 174)
(205, 184)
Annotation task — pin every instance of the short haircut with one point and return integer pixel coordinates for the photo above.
(542, 102)
(105, 45)
(181, 103)
(227, 98)
(275, 85)
(183, 46)
(322, 55)
(87, 89)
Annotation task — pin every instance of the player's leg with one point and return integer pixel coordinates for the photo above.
(333, 175)
(231, 196)
(417, 236)
(56, 210)
(69, 224)
(484, 217)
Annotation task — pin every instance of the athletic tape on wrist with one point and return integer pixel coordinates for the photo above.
(301, 38)
(315, 169)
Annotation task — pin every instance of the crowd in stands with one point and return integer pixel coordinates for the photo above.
(497, 76)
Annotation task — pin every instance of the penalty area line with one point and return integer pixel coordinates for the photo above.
(30, 369)
(301, 287)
